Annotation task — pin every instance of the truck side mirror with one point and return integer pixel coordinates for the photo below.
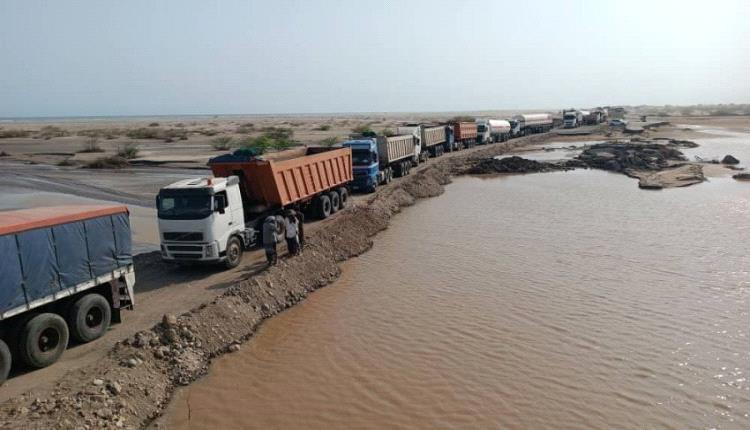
(220, 204)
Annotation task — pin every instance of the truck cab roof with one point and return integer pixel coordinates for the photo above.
(214, 184)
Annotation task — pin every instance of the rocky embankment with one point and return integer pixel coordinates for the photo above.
(133, 384)
(656, 165)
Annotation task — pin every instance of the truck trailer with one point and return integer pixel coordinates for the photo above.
(431, 138)
(492, 130)
(214, 220)
(464, 133)
(66, 271)
(534, 123)
(377, 160)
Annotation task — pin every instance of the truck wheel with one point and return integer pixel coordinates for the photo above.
(43, 340)
(343, 197)
(234, 253)
(335, 202)
(90, 317)
(324, 206)
(5, 361)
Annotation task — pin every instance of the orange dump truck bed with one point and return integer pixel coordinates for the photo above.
(281, 183)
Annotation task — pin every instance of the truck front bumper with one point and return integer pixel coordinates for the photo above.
(185, 251)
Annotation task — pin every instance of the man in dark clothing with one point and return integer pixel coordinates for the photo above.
(270, 230)
(300, 229)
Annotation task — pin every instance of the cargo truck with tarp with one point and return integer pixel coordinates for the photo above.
(215, 219)
(65, 271)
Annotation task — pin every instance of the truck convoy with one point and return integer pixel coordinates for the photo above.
(66, 271)
(492, 130)
(215, 219)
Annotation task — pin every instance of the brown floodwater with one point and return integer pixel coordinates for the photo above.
(558, 300)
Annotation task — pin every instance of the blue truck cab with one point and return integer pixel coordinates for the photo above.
(365, 162)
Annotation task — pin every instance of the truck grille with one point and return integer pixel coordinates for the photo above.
(188, 256)
(185, 248)
(184, 237)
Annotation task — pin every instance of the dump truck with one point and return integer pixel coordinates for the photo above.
(534, 123)
(572, 118)
(214, 219)
(492, 130)
(464, 133)
(65, 271)
(431, 138)
(377, 160)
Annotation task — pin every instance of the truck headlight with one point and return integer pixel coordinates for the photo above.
(211, 250)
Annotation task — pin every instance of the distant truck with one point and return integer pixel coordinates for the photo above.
(572, 118)
(464, 133)
(65, 271)
(533, 123)
(431, 138)
(215, 219)
(377, 160)
(492, 130)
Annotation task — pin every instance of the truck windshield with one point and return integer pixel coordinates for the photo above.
(481, 128)
(361, 157)
(569, 116)
(184, 206)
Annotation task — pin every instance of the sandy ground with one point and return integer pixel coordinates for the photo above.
(161, 288)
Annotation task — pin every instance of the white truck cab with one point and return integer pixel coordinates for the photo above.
(203, 220)
(416, 131)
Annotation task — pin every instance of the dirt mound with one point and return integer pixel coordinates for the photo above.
(516, 164)
(620, 157)
(742, 176)
(728, 159)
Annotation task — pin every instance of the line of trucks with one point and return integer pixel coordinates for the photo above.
(67, 272)
(573, 118)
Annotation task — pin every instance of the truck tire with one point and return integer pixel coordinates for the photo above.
(335, 201)
(343, 197)
(5, 361)
(89, 318)
(234, 253)
(43, 340)
(323, 209)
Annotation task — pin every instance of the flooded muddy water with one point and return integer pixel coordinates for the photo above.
(557, 300)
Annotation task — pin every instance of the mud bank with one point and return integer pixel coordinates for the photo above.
(133, 384)
(655, 165)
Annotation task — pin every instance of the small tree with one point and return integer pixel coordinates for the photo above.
(329, 141)
(127, 151)
(91, 145)
(222, 143)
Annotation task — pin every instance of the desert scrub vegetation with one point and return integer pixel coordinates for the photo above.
(10, 134)
(246, 128)
(49, 131)
(4, 154)
(207, 132)
(363, 129)
(113, 162)
(158, 133)
(329, 141)
(127, 151)
(276, 138)
(106, 133)
(66, 162)
(222, 143)
(91, 145)
(154, 124)
(324, 127)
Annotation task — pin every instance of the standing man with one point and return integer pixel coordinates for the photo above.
(270, 230)
(292, 238)
(300, 229)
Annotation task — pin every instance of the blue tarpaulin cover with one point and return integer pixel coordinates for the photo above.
(38, 262)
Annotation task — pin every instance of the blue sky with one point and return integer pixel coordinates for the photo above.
(137, 57)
